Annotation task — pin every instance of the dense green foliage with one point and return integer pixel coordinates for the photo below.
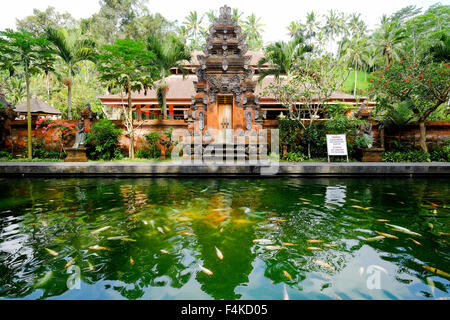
(102, 141)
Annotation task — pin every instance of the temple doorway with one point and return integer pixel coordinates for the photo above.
(225, 107)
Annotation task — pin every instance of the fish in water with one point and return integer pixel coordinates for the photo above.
(303, 199)
(128, 239)
(116, 238)
(383, 220)
(100, 230)
(387, 235)
(313, 248)
(219, 253)
(431, 284)
(97, 247)
(415, 241)
(436, 271)
(444, 233)
(53, 253)
(263, 241)
(273, 247)
(375, 238)
(44, 223)
(91, 267)
(323, 264)
(207, 271)
(131, 260)
(68, 264)
(329, 245)
(430, 225)
(287, 275)
(314, 241)
(167, 229)
(433, 204)
(160, 229)
(288, 244)
(404, 230)
(221, 230)
(285, 294)
(359, 207)
(164, 251)
(188, 233)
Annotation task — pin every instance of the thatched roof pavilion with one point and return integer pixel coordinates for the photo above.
(38, 108)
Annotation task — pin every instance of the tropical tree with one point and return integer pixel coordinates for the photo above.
(193, 24)
(355, 53)
(169, 53)
(128, 66)
(253, 28)
(281, 56)
(333, 27)
(423, 85)
(237, 15)
(20, 49)
(295, 29)
(71, 51)
(388, 40)
(312, 25)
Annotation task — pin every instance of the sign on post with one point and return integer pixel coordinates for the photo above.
(337, 145)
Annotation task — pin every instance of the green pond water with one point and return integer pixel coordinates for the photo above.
(150, 238)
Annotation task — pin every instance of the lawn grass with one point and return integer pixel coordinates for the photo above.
(362, 82)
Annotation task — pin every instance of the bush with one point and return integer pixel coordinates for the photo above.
(295, 157)
(409, 156)
(441, 153)
(102, 141)
(5, 155)
(39, 150)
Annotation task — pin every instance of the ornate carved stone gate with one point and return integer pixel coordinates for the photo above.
(224, 74)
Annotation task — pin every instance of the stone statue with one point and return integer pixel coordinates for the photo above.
(367, 134)
(80, 136)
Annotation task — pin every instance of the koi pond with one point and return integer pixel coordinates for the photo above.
(278, 238)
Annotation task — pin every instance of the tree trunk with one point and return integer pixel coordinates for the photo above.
(356, 77)
(423, 135)
(164, 103)
(27, 77)
(47, 80)
(130, 108)
(69, 111)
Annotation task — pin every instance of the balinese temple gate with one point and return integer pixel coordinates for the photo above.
(225, 113)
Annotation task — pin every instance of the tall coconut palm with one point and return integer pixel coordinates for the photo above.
(312, 25)
(281, 57)
(253, 28)
(332, 27)
(355, 52)
(295, 29)
(388, 40)
(193, 24)
(170, 53)
(71, 51)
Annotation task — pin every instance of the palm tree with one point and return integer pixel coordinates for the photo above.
(355, 52)
(281, 56)
(295, 29)
(71, 51)
(332, 27)
(170, 52)
(388, 40)
(253, 28)
(237, 16)
(193, 25)
(312, 25)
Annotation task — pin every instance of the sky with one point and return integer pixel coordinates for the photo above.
(275, 14)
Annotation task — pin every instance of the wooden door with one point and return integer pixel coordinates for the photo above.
(225, 120)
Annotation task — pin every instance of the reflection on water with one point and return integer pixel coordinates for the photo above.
(225, 238)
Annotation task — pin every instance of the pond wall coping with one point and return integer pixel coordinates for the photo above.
(187, 168)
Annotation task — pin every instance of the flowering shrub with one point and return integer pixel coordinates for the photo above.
(63, 128)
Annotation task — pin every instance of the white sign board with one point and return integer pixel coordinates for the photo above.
(336, 145)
